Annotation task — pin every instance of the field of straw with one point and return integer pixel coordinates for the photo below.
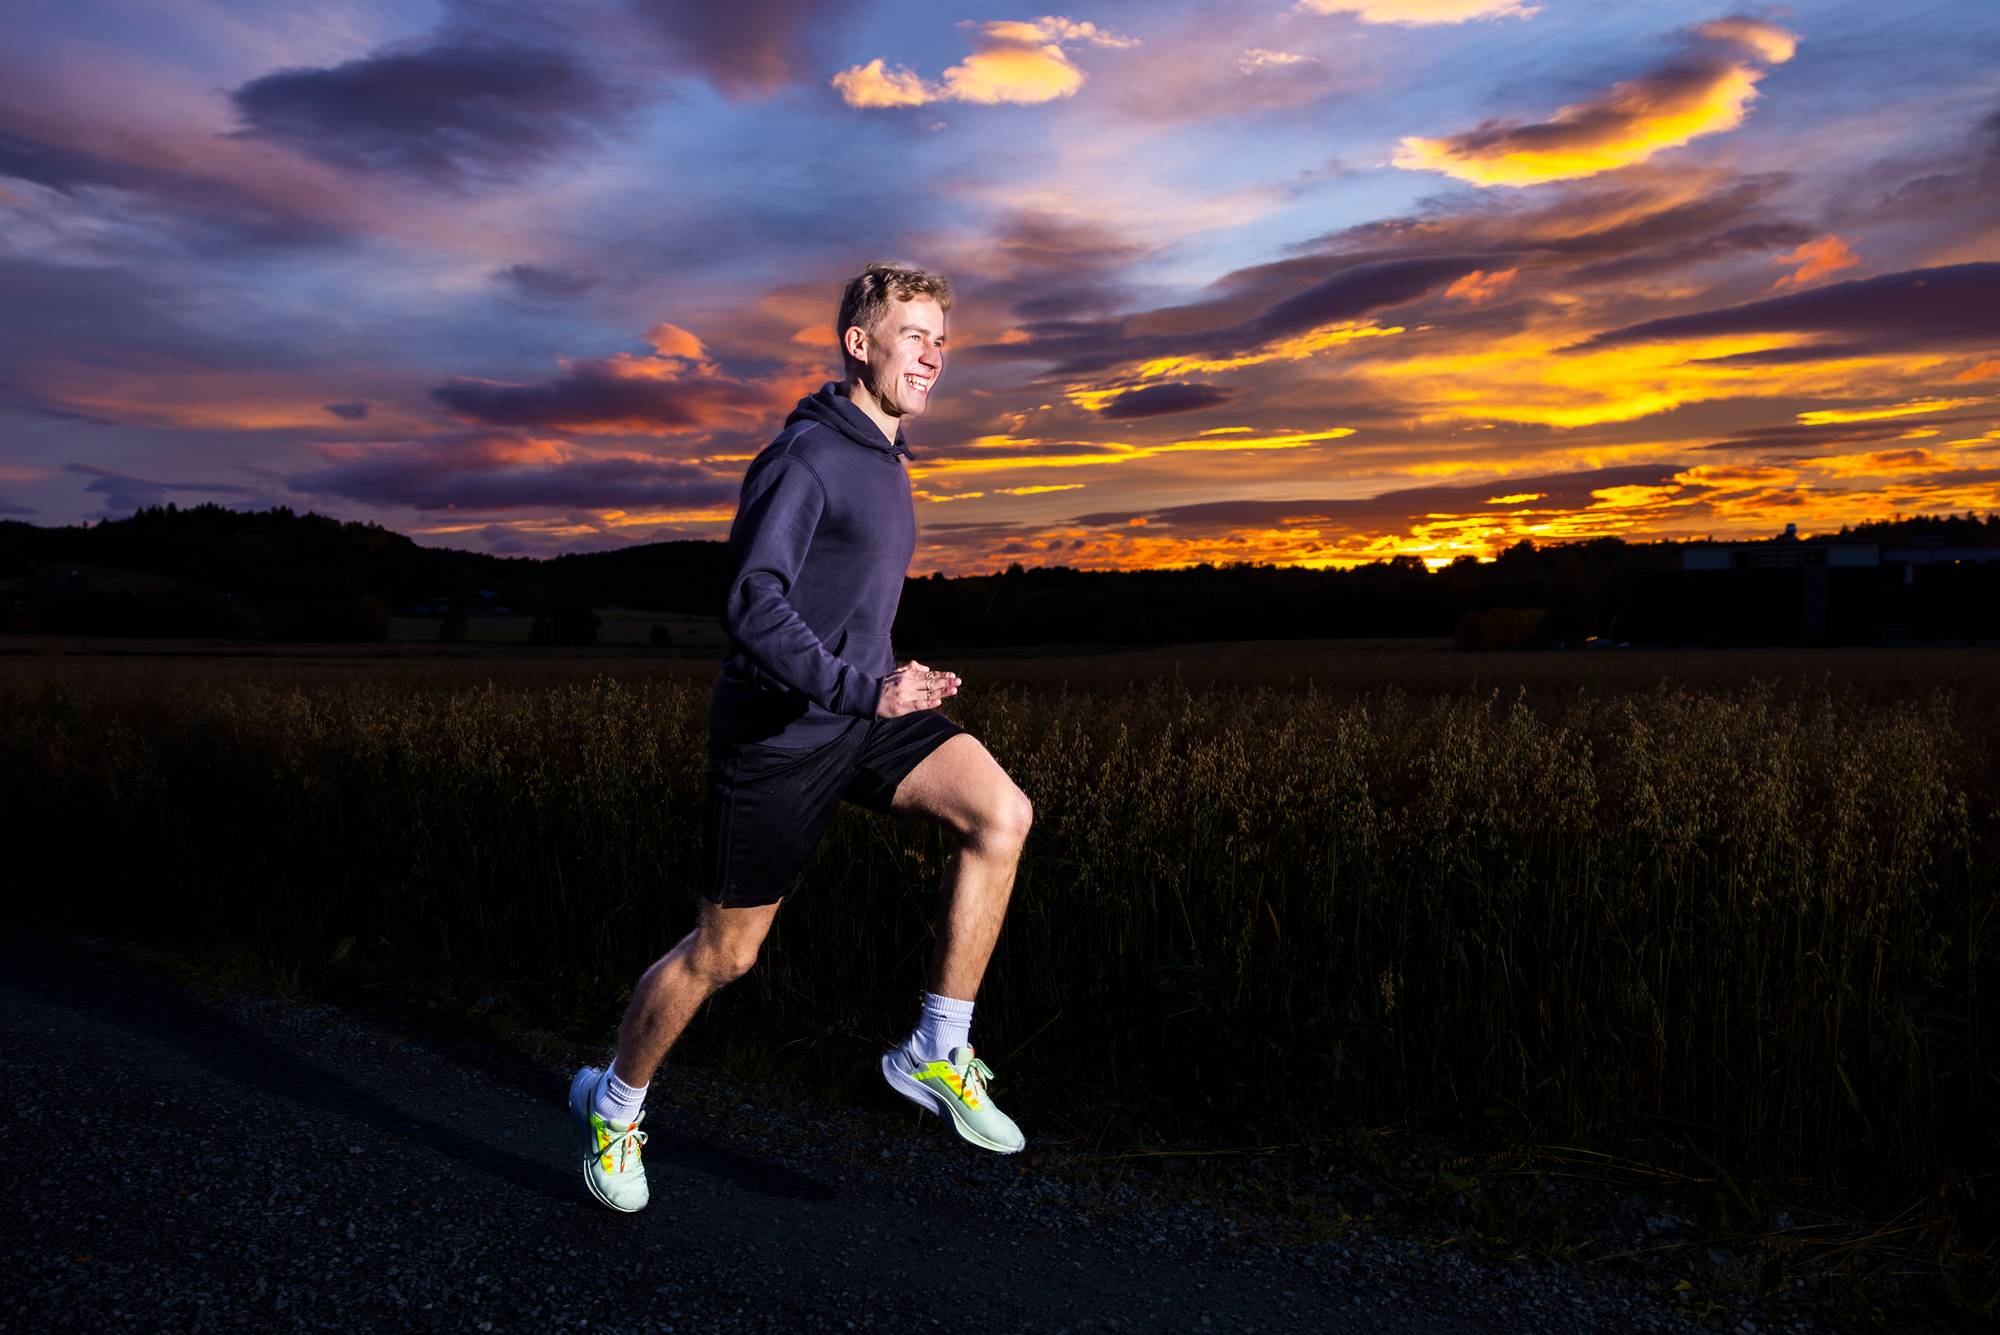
(1741, 906)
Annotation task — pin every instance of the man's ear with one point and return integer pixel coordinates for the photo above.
(855, 342)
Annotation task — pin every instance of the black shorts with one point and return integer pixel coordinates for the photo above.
(767, 806)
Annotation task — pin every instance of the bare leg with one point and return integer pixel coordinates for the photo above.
(960, 785)
(720, 949)
(978, 882)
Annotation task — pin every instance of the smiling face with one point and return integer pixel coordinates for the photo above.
(898, 363)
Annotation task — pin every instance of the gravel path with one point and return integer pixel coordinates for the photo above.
(179, 1161)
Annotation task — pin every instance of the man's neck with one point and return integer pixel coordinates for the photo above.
(867, 403)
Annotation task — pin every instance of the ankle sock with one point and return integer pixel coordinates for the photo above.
(946, 1023)
(617, 1101)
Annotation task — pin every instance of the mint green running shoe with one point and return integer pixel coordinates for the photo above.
(956, 1087)
(611, 1166)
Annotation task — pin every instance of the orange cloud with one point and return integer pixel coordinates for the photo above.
(1527, 377)
(670, 340)
(1829, 416)
(1704, 93)
(876, 85)
(1479, 286)
(1884, 463)
(1010, 72)
(1015, 62)
(1816, 259)
(1633, 497)
(628, 518)
(1986, 370)
(675, 353)
(1736, 475)
(1096, 453)
(1516, 498)
(1290, 350)
(1768, 40)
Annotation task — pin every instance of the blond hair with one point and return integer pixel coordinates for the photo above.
(869, 293)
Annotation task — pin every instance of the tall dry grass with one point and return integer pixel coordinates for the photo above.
(1759, 920)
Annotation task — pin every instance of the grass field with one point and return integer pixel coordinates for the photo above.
(618, 628)
(497, 652)
(1740, 905)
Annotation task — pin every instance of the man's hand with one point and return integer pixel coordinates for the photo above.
(912, 687)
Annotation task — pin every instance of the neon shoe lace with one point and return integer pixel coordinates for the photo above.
(624, 1145)
(974, 1078)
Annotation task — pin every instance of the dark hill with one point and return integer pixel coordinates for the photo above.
(283, 575)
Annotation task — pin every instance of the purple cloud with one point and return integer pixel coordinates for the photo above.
(443, 114)
(1845, 434)
(351, 412)
(123, 493)
(544, 283)
(202, 208)
(1749, 239)
(1355, 291)
(1951, 305)
(478, 475)
(748, 48)
(592, 398)
(1161, 400)
(1053, 268)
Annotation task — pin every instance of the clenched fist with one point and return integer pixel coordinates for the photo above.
(912, 687)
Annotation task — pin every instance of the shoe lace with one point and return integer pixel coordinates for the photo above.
(624, 1145)
(974, 1075)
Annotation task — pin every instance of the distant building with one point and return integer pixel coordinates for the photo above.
(1788, 553)
(1778, 555)
(1788, 590)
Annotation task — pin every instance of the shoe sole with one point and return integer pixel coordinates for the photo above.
(921, 1094)
(579, 1117)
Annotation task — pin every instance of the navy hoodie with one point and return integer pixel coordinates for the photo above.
(823, 537)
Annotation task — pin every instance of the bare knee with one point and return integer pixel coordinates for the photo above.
(720, 958)
(1005, 821)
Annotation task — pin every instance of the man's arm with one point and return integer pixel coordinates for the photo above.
(780, 509)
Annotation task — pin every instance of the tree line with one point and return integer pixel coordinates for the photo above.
(209, 571)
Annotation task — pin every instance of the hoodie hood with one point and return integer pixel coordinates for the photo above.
(829, 407)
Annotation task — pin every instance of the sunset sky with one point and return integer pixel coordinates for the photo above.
(1312, 283)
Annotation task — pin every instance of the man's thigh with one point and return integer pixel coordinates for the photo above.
(890, 749)
(959, 785)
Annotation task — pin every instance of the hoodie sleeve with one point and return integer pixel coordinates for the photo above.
(780, 509)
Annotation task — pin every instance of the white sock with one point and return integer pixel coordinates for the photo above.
(945, 1024)
(617, 1101)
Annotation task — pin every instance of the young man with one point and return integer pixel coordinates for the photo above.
(811, 708)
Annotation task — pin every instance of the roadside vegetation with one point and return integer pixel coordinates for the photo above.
(1745, 923)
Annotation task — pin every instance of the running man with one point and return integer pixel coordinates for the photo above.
(811, 708)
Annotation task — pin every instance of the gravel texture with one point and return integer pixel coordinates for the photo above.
(179, 1160)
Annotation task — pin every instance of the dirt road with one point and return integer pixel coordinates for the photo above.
(184, 1161)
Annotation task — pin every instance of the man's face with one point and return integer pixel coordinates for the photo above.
(905, 356)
